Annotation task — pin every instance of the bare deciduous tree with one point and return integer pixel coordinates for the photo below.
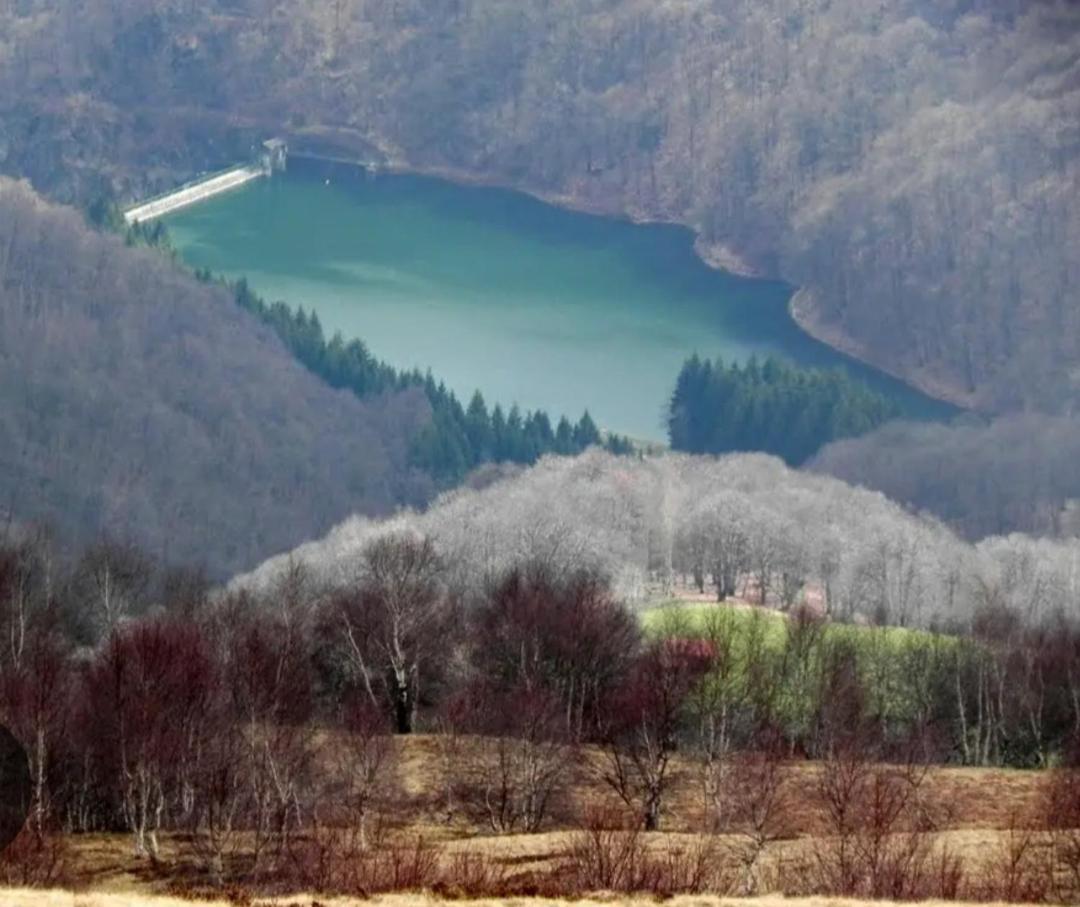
(643, 730)
(395, 622)
(114, 580)
(755, 805)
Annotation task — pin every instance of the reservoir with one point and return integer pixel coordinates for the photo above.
(496, 291)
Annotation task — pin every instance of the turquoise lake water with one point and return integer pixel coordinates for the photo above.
(494, 290)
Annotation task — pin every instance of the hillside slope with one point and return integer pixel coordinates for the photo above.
(140, 403)
(1016, 474)
(646, 523)
(915, 166)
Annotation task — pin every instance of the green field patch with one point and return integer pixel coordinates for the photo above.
(795, 668)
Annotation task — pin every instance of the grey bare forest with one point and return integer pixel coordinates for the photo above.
(283, 613)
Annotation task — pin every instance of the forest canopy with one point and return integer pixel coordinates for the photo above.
(783, 532)
(769, 406)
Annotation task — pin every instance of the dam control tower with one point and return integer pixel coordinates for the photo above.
(274, 155)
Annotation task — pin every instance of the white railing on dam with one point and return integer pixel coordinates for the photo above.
(192, 193)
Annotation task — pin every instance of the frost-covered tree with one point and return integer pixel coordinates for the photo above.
(741, 525)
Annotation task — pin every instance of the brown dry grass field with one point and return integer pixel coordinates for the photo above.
(974, 808)
(14, 897)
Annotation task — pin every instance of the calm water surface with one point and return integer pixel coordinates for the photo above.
(494, 290)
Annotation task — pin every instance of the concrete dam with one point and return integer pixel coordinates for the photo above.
(271, 160)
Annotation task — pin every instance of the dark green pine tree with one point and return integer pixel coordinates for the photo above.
(586, 434)
(479, 431)
(515, 435)
(564, 437)
(686, 427)
(499, 441)
(539, 438)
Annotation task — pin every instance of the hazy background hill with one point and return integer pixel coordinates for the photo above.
(138, 403)
(915, 165)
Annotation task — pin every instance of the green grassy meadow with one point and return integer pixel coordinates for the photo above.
(798, 668)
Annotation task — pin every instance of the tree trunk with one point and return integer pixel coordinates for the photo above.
(403, 712)
(652, 813)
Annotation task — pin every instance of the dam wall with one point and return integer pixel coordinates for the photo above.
(192, 193)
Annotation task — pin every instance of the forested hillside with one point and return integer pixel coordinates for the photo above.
(1016, 474)
(914, 166)
(143, 405)
(742, 523)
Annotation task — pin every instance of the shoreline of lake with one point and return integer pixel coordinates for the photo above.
(801, 307)
(611, 305)
(717, 256)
